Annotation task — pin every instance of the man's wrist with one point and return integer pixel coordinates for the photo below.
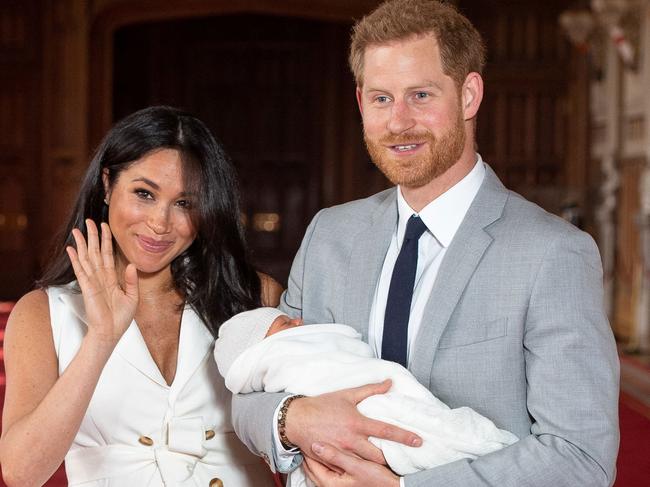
(282, 422)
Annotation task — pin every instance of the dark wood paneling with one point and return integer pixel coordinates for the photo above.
(522, 125)
(275, 90)
(20, 187)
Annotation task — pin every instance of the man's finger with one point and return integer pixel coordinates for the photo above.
(312, 470)
(317, 472)
(362, 392)
(386, 431)
(333, 456)
(366, 450)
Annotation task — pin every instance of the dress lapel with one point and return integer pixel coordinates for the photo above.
(459, 264)
(366, 260)
(133, 349)
(131, 346)
(194, 343)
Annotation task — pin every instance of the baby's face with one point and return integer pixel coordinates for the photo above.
(283, 322)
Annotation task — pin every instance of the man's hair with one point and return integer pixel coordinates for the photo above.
(461, 48)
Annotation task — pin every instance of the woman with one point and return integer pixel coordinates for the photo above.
(119, 379)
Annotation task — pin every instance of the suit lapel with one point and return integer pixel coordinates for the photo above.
(366, 261)
(459, 264)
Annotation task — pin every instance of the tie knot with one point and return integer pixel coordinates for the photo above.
(414, 228)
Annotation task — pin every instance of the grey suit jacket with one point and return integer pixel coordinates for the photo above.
(514, 328)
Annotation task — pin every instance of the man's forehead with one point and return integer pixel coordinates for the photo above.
(414, 61)
(403, 41)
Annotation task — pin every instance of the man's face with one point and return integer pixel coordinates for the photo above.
(413, 123)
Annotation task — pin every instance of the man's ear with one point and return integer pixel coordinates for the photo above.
(107, 185)
(359, 101)
(472, 95)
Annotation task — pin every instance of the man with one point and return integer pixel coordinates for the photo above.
(503, 301)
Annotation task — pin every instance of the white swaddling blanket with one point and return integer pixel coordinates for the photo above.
(317, 359)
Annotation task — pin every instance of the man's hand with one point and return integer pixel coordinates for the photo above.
(350, 470)
(333, 418)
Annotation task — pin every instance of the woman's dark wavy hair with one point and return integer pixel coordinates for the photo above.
(214, 274)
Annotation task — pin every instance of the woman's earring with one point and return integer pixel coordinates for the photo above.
(105, 201)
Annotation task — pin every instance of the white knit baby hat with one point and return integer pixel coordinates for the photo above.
(240, 332)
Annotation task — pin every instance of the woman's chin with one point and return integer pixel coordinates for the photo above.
(146, 267)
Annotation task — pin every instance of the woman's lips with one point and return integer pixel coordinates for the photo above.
(153, 245)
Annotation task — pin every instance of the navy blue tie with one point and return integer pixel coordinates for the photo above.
(400, 294)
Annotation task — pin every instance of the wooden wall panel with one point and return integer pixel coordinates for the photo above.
(44, 138)
(629, 267)
(262, 87)
(20, 189)
(523, 123)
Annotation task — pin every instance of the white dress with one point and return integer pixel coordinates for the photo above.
(138, 431)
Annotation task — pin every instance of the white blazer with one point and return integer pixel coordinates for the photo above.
(139, 431)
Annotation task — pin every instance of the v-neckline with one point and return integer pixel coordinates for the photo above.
(150, 355)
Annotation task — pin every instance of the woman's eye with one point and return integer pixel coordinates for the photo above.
(185, 204)
(143, 194)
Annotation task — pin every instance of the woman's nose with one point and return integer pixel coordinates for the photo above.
(158, 220)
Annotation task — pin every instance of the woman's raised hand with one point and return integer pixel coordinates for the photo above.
(110, 308)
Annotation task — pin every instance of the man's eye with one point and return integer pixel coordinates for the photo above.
(421, 94)
(382, 99)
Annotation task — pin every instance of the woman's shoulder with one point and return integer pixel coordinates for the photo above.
(33, 310)
(35, 302)
(30, 316)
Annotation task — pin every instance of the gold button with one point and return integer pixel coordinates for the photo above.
(209, 434)
(145, 440)
(215, 483)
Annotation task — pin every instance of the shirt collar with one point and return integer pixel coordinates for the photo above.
(444, 215)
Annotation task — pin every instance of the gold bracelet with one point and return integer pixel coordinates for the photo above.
(282, 422)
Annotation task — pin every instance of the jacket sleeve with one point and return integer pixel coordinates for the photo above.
(572, 375)
(253, 413)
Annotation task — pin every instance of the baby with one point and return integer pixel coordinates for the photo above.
(265, 350)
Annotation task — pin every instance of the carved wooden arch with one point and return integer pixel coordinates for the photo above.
(109, 15)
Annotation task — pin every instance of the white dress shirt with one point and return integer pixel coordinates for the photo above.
(442, 218)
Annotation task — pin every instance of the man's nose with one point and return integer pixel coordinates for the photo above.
(401, 118)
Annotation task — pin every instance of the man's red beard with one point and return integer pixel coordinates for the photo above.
(418, 170)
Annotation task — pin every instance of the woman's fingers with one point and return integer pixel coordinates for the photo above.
(78, 269)
(82, 252)
(93, 244)
(131, 282)
(108, 262)
(107, 247)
